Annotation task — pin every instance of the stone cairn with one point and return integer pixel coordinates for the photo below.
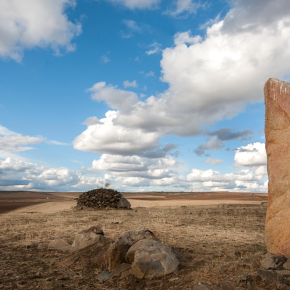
(102, 198)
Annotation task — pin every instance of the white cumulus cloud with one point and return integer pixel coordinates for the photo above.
(213, 161)
(12, 141)
(184, 8)
(244, 180)
(251, 155)
(35, 23)
(16, 175)
(106, 137)
(210, 78)
(132, 84)
(135, 166)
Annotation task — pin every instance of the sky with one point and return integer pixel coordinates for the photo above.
(147, 95)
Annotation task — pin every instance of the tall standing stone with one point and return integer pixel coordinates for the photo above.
(277, 132)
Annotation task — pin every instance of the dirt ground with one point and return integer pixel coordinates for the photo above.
(204, 235)
(204, 227)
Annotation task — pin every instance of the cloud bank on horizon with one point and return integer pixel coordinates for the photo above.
(194, 125)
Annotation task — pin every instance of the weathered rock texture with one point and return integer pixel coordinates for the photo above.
(88, 237)
(82, 240)
(151, 259)
(277, 132)
(118, 250)
(102, 198)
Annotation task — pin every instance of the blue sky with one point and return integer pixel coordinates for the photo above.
(144, 94)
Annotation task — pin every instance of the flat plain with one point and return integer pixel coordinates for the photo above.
(217, 234)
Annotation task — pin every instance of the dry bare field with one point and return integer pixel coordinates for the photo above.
(204, 234)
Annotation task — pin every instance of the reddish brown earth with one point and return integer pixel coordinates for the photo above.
(202, 196)
(10, 206)
(10, 201)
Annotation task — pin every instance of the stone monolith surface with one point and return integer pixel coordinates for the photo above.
(277, 133)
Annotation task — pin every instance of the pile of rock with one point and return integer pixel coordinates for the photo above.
(275, 268)
(137, 252)
(102, 198)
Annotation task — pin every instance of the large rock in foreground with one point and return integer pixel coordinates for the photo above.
(151, 259)
(118, 250)
(277, 132)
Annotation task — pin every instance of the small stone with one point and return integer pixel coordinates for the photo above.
(283, 277)
(267, 275)
(268, 263)
(59, 244)
(104, 276)
(38, 275)
(226, 285)
(121, 268)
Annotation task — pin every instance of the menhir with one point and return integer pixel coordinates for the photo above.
(102, 198)
(277, 132)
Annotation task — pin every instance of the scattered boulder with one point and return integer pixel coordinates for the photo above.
(274, 268)
(151, 259)
(273, 262)
(118, 250)
(83, 239)
(269, 275)
(88, 237)
(104, 276)
(277, 133)
(124, 203)
(268, 263)
(60, 245)
(102, 198)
